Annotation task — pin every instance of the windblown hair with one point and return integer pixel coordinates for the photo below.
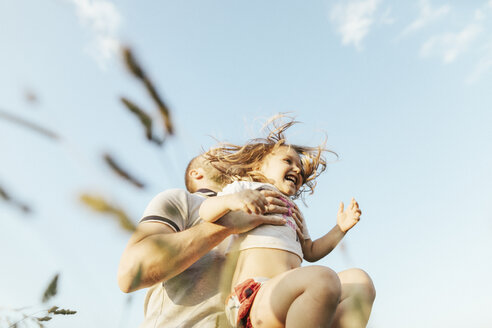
(242, 162)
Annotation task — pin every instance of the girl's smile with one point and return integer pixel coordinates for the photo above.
(283, 169)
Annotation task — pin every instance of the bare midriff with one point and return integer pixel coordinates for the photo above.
(263, 262)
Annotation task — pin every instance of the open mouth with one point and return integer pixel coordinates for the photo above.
(292, 178)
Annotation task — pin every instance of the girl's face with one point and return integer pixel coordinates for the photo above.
(283, 168)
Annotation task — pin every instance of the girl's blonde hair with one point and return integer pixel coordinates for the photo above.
(242, 162)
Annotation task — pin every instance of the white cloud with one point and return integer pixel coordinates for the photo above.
(427, 14)
(103, 20)
(484, 65)
(474, 38)
(386, 18)
(450, 45)
(479, 15)
(353, 20)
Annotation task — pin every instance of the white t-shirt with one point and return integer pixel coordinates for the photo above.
(282, 237)
(192, 298)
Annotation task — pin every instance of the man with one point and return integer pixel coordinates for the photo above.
(180, 257)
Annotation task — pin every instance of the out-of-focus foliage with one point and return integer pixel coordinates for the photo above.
(64, 312)
(29, 125)
(14, 202)
(136, 69)
(122, 172)
(51, 290)
(39, 316)
(138, 277)
(99, 204)
(31, 97)
(14, 318)
(144, 118)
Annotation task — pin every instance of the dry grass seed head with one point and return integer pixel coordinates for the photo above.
(46, 318)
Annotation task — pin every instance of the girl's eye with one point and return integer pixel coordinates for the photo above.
(287, 160)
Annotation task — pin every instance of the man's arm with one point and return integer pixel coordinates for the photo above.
(156, 253)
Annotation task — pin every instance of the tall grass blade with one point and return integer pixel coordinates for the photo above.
(136, 69)
(100, 205)
(144, 118)
(51, 290)
(29, 125)
(16, 203)
(122, 172)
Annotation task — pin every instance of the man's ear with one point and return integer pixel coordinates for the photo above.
(196, 174)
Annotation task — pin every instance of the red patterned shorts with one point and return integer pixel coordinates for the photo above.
(239, 302)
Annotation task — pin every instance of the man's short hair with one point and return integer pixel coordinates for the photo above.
(193, 164)
(213, 175)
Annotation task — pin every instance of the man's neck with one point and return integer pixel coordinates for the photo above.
(207, 192)
(207, 184)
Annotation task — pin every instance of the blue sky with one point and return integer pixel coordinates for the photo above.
(402, 91)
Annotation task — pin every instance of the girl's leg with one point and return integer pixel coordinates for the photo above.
(302, 297)
(358, 294)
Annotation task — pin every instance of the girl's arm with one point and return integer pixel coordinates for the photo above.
(249, 201)
(315, 250)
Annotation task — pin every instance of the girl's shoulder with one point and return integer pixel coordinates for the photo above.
(237, 186)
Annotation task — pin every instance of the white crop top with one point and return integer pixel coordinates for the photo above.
(282, 237)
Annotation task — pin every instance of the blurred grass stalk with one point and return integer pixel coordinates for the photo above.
(13, 318)
(29, 125)
(99, 204)
(136, 69)
(8, 198)
(144, 119)
(122, 172)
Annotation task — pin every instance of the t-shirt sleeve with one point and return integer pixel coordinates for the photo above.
(238, 186)
(232, 188)
(169, 207)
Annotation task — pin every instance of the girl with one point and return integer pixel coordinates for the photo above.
(270, 288)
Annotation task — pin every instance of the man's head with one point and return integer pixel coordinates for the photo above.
(201, 174)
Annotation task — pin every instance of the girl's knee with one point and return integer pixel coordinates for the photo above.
(359, 277)
(325, 282)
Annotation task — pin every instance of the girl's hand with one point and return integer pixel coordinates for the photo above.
(249, 201)
(348, 218)
(258, 202)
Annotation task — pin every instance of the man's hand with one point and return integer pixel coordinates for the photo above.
(298, 218)
(239, 222)
(348, 218)
(276, 202)
(243, 220)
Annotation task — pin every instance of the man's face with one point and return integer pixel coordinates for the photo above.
(211, 174)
